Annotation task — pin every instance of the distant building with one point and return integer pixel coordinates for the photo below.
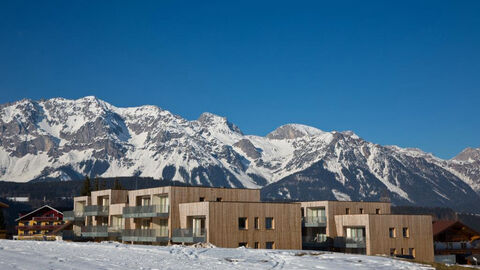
(39, 224)
(454, 241)
(228, 217)
(3, 233)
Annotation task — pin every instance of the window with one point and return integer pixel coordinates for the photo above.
(269, 245)
(243, 244)
(405, 232)
(361, 211)
(393, 251)
(219, 199)
(401, 251)
(256, 245)
(256, 223)
(269, 224)
(347, 211)
(377, 211)
(202, 199)
(392, 233)
(411, 251)
(242, 223)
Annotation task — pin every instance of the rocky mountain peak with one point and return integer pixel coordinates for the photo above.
(293, 131)
(468, 155)
(219, 122)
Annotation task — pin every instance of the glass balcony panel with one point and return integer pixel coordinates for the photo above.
(142, 211)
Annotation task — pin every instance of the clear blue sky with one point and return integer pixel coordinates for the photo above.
(394, 72)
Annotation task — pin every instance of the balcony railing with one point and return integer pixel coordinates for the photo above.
(317, 241)
(73, 215)
(46, 218)
(146, 235)
(455, 245)
(320, 221)
(189, 235)
(96, 210)
(355, 242)
(146, 211)
(95, 231)
(38, 227)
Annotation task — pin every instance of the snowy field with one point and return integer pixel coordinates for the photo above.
(67, 255)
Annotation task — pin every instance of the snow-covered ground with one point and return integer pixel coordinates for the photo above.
(67, 255)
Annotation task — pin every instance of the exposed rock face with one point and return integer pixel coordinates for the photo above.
(67, 139)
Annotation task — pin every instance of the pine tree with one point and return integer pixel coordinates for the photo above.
(95, 184)
(117, 185)
(104, 185)
(86, 189)
(2, 220)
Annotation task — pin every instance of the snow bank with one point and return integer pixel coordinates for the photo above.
(67, 255)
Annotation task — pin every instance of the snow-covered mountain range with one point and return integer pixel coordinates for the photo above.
(67, 139)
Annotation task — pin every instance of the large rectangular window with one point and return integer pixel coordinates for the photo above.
(269, 223)
(242, 223)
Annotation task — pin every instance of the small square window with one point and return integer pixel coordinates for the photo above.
(269, 223)
(219, 199)
(411, 252)
(347, 211)
(392, 233)
(361, 211)
(406, 232)
(202, 199)
(242, 223)
(377, 211)
(256, 223)
(270, 245)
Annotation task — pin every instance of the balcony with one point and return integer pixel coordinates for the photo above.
(355, 242)
(73, 215)
(101, 231)
(189, 236)
(96, 210)
(146, 235)
(46, 218)
(38, 227)
(146, 211)
(316, 241)
(320, 221)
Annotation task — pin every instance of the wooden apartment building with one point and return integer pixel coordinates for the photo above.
(231, 218)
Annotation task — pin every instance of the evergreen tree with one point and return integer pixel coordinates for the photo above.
(2, 220)
(104, 185)
(117, 185)
(95, 185)
(86, 189)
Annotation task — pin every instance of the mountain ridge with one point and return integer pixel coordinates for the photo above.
(65, 139)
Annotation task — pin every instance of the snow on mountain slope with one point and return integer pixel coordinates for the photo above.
(67, 139)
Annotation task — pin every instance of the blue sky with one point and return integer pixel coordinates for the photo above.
(394, 72)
